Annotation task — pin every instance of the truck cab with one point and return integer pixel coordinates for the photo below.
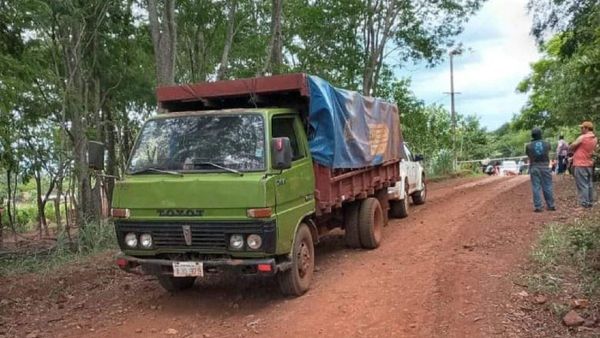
(412, 184)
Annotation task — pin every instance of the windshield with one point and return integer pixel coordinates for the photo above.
(201, 143)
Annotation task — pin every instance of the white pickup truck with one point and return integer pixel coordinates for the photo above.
(412, 183)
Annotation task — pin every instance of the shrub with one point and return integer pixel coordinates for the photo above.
(569, 246)
(94, 237)
(442, 163)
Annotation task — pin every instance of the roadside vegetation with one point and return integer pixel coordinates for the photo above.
(565, 251)
(564, 274)
(92, 239)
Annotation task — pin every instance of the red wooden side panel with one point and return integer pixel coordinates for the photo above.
(333, 188)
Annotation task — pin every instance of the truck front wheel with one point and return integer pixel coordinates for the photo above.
(174, 284)
(370, 223)
(296, 280)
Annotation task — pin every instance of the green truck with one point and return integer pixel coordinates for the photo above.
(249, 174)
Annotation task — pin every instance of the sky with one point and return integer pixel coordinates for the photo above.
(500, 50)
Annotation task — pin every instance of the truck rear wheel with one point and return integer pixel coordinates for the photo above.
(399, 209)
(351, 235)
(296, 280)
(370, 223)
(174, 284)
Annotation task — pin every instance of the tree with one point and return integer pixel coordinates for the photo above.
(402, 30)
(564, 85)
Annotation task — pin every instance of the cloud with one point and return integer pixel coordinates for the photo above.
(500, 52)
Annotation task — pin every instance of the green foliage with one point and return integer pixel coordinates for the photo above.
(568, 247)
(442, 163)
(94, 239)
(428, 129)
(564, 86)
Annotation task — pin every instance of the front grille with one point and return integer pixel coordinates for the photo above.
(206, 237)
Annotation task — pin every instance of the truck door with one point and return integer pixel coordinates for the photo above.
(294, 187)
(410, 168)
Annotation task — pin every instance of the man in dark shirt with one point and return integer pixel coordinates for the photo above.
(540, 174)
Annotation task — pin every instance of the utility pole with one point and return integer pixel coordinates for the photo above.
(456, 51)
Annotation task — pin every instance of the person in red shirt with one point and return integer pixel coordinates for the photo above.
(583, 163)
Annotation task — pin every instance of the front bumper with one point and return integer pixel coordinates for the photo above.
(155, 266)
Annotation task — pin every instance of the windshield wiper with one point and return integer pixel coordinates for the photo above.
(231, 170)
(156, 170)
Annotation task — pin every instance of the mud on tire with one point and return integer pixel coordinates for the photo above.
(296, 280)
(370, 222)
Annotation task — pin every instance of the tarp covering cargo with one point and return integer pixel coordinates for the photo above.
(349, 130)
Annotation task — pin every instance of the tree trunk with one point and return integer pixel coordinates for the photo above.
(9, 211)
(111, 165)
(42, 226)
(274, 59)
(163, 30)
(228, 40)
(59, 193)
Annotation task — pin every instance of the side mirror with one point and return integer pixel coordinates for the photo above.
(418, 158)
(96, 155)
(281, 153)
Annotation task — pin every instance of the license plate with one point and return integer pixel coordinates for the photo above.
(188, 269)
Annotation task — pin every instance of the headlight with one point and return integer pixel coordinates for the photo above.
(254, 241)
(236, 242)
(146, 241)
(131, 240)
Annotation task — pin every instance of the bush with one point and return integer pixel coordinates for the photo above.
(26, 218)
(569, 246)
(94, 237)
(49, 211)
(442, 163)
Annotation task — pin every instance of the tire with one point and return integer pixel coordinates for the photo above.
(175, 284)
(399, 209)
(296, 280)
(370, 223)
(351, 234)
(419, 197)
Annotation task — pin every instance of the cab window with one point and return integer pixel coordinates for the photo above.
(284, 127)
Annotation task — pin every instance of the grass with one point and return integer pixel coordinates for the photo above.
(568, 253)
(457, 174)
(91, 239)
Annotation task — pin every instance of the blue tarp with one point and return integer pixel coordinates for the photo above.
(348, 130)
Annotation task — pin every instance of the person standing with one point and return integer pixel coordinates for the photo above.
(562, 150)
(583, 163)
(540, 173)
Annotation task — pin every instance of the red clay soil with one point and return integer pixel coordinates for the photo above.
(445, 271)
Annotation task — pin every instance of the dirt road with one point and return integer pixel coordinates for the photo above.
(445, 271)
